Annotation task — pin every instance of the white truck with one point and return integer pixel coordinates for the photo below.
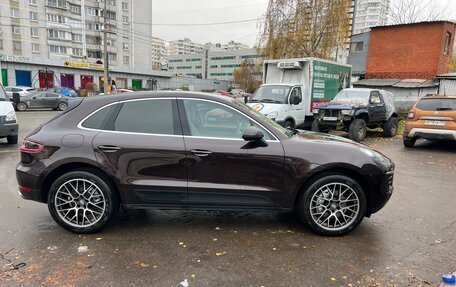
(293, 87)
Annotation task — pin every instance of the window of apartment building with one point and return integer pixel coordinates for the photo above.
(356, 47)
(17, 46)
(57, 34)
(126, 33)
(33, 15)
(111, 42)
(77, 38)
(124, 5)
(32, 2)
(112, 57)
(35, 47)
(93, 26)
(75, 9)
(58, 49)
(34, 32)
(125, 19)
(15, 13)
(198, 67)
(110, 15)
(125, 46)
(94, 54)
(93, 40)
(447, 48)
(126, 59)
(57, 3)
(16, 29)
(213, 66)
(55, 18)
(91, 11)
(77, 52)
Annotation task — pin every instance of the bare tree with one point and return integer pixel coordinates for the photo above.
(304, 28)
(412, 11)
(247, 76)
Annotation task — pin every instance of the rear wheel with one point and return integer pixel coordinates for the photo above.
(21, 106)
(12, 139)
(82, 201)
(358, 130)
(390, 127)
(409, 142)
(333, 204)
(62, 106)
(316, 125)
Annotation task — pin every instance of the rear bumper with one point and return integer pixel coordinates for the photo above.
(432, 134)
(28, 184)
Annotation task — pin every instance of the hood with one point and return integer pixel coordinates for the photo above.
(5, 108)
(265, 108)
(315, 136)
(337, 106)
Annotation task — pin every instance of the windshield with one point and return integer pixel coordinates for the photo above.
(352, 97)
(271, 94)
(275, 125)
(3, 96)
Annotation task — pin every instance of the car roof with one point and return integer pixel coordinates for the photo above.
(439, 97)
(159, 94)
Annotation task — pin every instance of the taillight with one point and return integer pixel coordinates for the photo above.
(411, 115)
(31, 146)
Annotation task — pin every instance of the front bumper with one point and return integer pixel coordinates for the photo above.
(432, 134)
(8, 129)
(383, 194)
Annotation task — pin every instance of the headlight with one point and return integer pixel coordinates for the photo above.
(315, 111)
(377, 157)
(11, 116)
(272, 115)
(347, 112)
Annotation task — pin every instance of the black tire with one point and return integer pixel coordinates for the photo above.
(357, 130)
(390, 127)
(304, 204)
(21, 106)
(62, 106)
(12, 139)
(315, 125)
(409, 142)
(109, 198)
(289, 124)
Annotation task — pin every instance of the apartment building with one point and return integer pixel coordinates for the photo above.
(55, 34)
(159, 53)
(185, 46)
(369, 13)
(216, 64)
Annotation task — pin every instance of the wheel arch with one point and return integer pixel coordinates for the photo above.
(67, 167)
(348, 171)
(363, 115)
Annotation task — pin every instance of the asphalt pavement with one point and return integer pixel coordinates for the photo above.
(410, 242)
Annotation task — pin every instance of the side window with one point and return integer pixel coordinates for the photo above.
(15, 90)
(296, 92)
(153, 116)
(209, 119)
(98, 119)
(51, 95)
(41, 95)
(375, 98)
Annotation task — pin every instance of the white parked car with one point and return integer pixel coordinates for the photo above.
(22, 90)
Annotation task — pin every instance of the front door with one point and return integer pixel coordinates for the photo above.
(297, 111)
(142, 144)
(38, 100)
(223, 169)
(376, 107)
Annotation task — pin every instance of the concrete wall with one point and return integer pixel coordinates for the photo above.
(413, 51)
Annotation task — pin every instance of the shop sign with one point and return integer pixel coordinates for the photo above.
(85, 65)
(13, 58)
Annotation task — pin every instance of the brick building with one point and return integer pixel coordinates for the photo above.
(410, 51)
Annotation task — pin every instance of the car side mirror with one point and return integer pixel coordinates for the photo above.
(254, 135)
(295, 99)
(16, 98)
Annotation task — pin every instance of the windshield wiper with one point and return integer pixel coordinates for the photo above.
(271, 101)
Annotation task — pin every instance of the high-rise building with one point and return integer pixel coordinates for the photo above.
(159, 53)
(184, 47)
(369, 13)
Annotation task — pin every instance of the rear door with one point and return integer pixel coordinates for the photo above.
(51, 100)
(142, 144)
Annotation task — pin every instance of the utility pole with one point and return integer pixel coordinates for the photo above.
(105, 50)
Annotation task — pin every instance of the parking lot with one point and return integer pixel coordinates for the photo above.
(408, 243)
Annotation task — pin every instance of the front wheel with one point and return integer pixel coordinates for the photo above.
(358, 130)
(390, 127)
(62, 106)
(333, 204)
(82, 201)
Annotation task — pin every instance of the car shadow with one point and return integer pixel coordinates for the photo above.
(435, 145)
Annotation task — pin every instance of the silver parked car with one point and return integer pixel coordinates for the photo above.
(22, 90)
(42, 100)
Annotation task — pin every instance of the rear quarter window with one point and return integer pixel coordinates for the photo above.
(99, 118)
(436, 104)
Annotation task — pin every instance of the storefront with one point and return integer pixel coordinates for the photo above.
(23, 78)
(67, 80)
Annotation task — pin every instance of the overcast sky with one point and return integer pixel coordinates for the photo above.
(210, 11)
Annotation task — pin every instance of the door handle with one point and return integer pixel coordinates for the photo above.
(109, 148)
(200, 152)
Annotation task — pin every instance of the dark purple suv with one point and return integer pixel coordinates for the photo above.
(173, 150)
